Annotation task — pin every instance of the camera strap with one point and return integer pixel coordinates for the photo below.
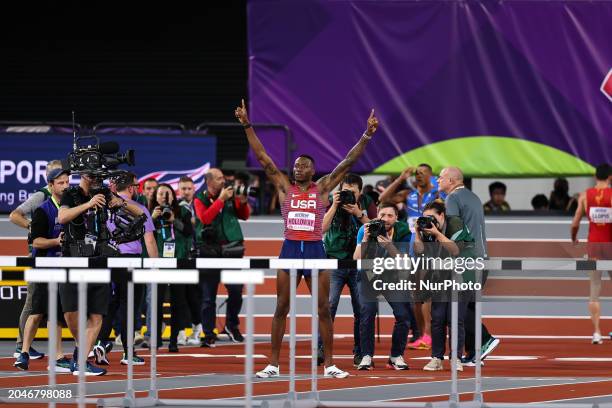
(163, 231)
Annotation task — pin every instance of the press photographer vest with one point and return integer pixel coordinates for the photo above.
(341, 238)
(225, 224)
(54, 227)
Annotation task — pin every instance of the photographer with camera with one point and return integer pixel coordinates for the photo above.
(384, 234)
(193, 300)
(173, 231)
(126, 186)
(46, 234)
(22, 216)
(442, 236)
(81, 216)
(218, 209)
(348, 212)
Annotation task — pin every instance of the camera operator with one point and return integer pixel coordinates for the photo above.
(219, 208)
(441, 236)
(349, 210)
(21, 217)
(46, 235)
(126, 186)
(388, 235)
(192, 298)
(173, 231)
(78, 212)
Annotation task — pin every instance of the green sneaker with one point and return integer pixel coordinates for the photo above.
(135, 360)
(488, 347)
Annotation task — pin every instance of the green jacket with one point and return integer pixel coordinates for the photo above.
(182, 239)
(226, 225)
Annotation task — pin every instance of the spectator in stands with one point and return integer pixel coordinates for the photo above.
(497, 203)
(539, 202)
(559, 197)
(21, 217)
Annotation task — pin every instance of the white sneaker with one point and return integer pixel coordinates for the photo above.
(397, 363)
(335, 372)
(194, 339)
(459, 366)
(435, 364)
(182, 338)
(366, 363)
(268, 372)
(597, 338)
(138, 338)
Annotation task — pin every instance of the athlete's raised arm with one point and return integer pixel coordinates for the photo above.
(328, 182)
(280, 180)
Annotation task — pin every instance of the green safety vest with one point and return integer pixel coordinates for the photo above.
(226, 225)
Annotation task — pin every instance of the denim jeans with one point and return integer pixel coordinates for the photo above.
(401, 311)
(338, 278)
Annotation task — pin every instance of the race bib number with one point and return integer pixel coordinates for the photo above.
(301, 221)
(169, 249)
(412, 223)
(600, 215)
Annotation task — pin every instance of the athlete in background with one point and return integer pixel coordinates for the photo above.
(596, 203)
(303, 207)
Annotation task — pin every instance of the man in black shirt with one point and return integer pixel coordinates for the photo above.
(76, 212)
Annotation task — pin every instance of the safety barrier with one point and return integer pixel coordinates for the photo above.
(156, 271)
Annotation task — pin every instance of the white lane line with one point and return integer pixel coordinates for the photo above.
(497, 389)
(585, 359)
(356, 388)
(573, 399)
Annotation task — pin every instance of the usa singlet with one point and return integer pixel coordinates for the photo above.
(303, 213)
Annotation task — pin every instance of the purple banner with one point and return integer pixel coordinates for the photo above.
(498, 88)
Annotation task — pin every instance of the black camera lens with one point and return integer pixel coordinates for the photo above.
(347, 197)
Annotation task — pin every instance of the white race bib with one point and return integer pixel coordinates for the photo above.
(169, 248)
(301, 221)
(600, 215)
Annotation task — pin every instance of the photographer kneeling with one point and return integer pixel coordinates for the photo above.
(218, 210)
(348, 212)
(384, 233)
(173, 232)
(84, 218)
(440, 237)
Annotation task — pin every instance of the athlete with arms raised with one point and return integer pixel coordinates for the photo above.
(303, 207)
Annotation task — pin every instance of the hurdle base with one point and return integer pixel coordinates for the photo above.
(127, 402)
(291, 403)
(207, 403)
